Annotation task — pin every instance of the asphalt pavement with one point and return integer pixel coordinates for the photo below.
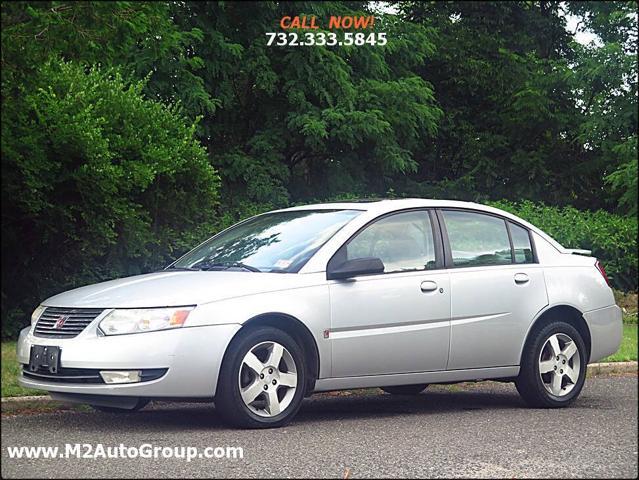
(473, 430)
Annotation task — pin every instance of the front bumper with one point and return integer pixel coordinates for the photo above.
(192, 355)
(606, 331)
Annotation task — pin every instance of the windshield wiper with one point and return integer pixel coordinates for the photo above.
(224, 266)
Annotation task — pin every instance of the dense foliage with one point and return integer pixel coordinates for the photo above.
(96, 180)
(118, 117)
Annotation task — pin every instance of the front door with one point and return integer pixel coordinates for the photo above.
(397, 321)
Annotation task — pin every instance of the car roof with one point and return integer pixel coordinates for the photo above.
(384, 205)
(379, 207)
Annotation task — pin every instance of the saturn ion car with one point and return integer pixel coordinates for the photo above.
(396, 294)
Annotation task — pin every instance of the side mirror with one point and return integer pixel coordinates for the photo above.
(355, 267)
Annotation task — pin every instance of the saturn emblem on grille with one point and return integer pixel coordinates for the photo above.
(60, 321)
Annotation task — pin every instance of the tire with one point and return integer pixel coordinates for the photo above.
(269, 383)
(142, 402)
(543, 390)
(405, 389)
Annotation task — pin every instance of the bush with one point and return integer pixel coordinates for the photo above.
(97, 182)
(612, 238)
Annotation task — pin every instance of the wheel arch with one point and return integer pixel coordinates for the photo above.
(566, 313)
(294, 327)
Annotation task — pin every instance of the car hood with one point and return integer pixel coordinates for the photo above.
(176, 288)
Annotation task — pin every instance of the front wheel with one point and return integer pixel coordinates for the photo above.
(262, 379)
(553, 366)
(405, 389)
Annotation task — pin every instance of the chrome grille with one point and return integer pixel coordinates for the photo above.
(75, 320)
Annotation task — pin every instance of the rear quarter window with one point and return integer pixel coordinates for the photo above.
(521, 244)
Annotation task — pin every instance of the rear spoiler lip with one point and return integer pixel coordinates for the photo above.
(578, 251)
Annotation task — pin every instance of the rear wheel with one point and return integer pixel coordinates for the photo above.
(262, 379)
(553, 366)
(141, 403)
(406, 389)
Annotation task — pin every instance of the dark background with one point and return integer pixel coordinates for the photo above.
(131, 130)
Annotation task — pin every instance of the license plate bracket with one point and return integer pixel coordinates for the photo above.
(43, 356)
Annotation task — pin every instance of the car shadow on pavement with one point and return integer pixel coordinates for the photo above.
(167, 416)
(355, 405)
(344, 407)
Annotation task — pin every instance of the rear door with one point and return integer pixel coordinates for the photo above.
(497, 287)
(396, 321)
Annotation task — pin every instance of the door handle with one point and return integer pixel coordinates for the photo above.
(521, 278)
(428, 286)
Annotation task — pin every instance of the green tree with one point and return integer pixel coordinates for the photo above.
(299, 123)
(139, 37)
(499, 74)
(102, 103)
(97, 182)
(529, 112)
(605, 79)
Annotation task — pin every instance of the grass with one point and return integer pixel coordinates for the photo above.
(628, 303)
(10, 371)
(10, 367)
(628, 350)
(28, 407)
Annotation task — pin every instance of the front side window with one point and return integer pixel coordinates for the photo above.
(477, 239)
(521, 244)
(273, 242)
(403, 242)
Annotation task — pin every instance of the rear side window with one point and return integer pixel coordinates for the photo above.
(521, 244)
(477, 239)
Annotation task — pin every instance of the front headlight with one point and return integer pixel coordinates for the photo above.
(36, 314)
(137, 320)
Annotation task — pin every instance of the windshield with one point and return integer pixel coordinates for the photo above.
(273, 242)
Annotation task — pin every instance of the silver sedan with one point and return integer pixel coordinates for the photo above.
(396, 294)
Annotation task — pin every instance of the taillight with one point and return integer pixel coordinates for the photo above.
(602, 270)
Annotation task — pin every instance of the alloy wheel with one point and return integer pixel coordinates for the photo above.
(559, 364)
(267, 379)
